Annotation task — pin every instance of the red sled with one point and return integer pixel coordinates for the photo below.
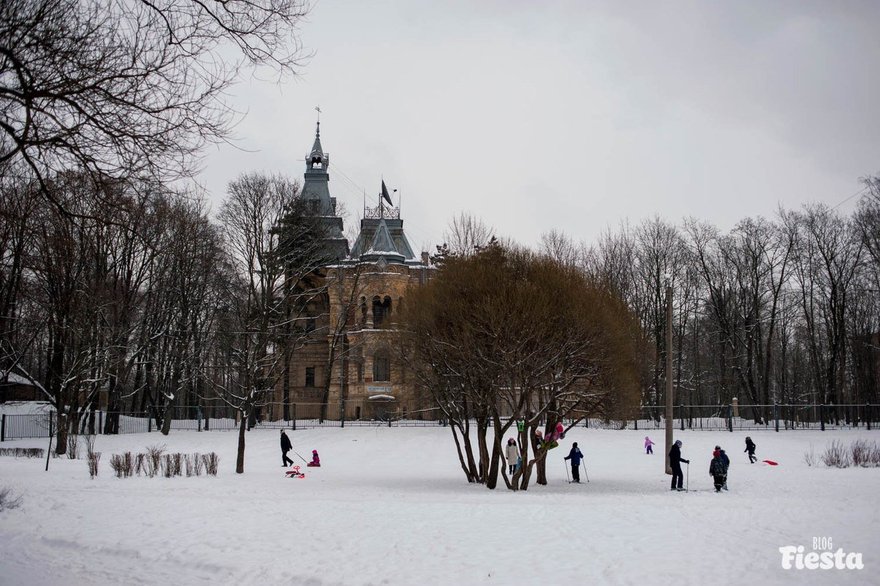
(771, 462)
(295, 473)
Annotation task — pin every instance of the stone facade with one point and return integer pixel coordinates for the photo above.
(350, 323)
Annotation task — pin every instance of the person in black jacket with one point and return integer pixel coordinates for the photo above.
(750, 448)
(726, 461)
(717, 470)
(675, 461)
(575, 456)
(285, 447)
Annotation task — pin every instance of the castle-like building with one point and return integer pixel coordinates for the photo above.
(347, 362)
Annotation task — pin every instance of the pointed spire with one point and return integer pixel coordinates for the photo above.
(317, 154)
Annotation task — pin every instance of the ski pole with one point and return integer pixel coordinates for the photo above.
(300, 457)
(585, 471)
(687, 485)
(564, 463)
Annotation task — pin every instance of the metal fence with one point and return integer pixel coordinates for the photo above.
(402, 414)
(223, 418)
(775, 417)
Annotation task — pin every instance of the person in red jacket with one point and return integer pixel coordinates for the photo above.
(316, 461)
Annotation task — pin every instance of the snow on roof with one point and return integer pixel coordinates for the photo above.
(14, 379)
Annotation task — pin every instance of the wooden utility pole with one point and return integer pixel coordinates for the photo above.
(668, 377)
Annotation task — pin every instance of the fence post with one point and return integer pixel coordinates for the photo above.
(681, 415)
(293, 412)
(100, 422)
(822, 416)
(342, 413)
(868, 415)
(51, 432)
(149, 423)
(729, 418)
(3, 428)
(776, 415)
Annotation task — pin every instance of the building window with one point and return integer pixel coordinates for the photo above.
(381, 310)
(310, 324)
(310, 376)
(360, 372)
(381, 368)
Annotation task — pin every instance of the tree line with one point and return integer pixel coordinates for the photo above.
(784, 310)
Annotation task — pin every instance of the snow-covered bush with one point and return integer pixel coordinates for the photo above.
(865, 453)
(154, 459)
(211, 461)
(810, 457)
(122, 464)
(8, 500)
(93, 457)
(836, 456)
(23, 452)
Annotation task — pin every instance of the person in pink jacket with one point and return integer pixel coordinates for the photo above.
(648, 444)
(316, 461)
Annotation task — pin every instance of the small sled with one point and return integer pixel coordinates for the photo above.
(295, 473)
(771, 462)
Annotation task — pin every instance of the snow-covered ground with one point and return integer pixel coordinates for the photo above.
(391, 506)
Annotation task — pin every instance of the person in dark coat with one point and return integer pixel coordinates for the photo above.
(750, 448)
(726, 461)
(717, 470)
(675, 461)
(575, 456)
(285, 447)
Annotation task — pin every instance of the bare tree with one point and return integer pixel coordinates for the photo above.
(826, 263)
(130, 87)
(466, 234)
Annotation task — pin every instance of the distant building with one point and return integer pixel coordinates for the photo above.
(347, 355)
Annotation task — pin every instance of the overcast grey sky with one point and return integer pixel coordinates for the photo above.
(573, 115)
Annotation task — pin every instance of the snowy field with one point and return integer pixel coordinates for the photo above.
(391, 506)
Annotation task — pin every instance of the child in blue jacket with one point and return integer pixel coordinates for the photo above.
(575, 456)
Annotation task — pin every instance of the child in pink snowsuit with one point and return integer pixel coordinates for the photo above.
(316, 461)
(648, 444)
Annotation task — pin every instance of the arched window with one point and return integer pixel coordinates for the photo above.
(381, 367)
(363, 312)
(381, 310)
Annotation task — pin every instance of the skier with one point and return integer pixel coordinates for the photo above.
(316, 461)
(575, 456)
(648, 444)
(285, 447)
(750, 448)
(675, 461)
(726, 461)
(511, 452)
(717, 470)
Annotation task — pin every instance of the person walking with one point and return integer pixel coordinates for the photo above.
(717, 470)
(648, 445)
(575, 456)
(511, 452)
(675, 461)
(750, 448)
(285, 447)
(726, 461)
